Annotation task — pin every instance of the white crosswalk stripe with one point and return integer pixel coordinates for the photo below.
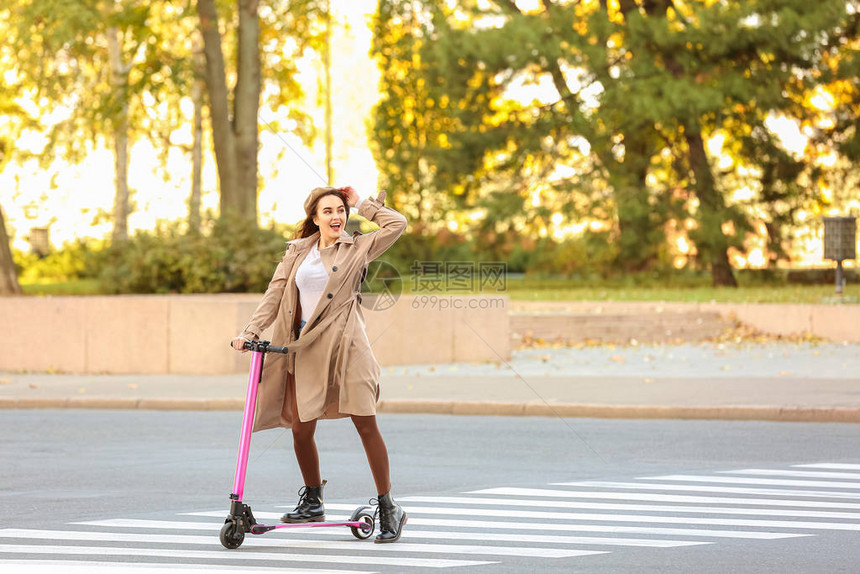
(631, 507)
(329, 545)
(92, 567)
(834, 466)
(794, 473)
(764, 481)
(563, 523)
(236, 556)
(712, 489)
(549, 526)
(547, 493)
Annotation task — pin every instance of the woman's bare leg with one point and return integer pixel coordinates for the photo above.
(303, 441)
(374, 448)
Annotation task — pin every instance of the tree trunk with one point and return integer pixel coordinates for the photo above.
(8, 276)
(637, 224)
(246, 101)
(641, 223)
(712, 241)
(219, 109)
(327, 64)
(197, 144)
(119, 86)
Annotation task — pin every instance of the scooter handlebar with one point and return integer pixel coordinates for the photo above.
(262, 347)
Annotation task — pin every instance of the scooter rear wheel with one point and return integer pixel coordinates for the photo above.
(366, 530)
(231, 536)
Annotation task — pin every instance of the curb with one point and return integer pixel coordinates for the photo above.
(123, 404)
(728, 413)
(482, 408)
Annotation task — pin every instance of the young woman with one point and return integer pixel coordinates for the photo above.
(314, 300)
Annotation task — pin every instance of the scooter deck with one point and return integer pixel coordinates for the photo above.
(263, 528)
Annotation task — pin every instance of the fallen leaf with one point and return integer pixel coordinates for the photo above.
(786, 373)
(648, 380)
(132, 386)
(618, 359)
(32, 386)
(81, 391)
(5, 382)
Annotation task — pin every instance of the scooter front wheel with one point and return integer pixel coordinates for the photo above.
(231, 535)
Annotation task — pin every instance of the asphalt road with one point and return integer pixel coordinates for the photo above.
(652, 496)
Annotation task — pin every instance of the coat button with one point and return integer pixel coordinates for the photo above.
(329, 295)
(334, 268)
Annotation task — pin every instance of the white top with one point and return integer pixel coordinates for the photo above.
(311, 278)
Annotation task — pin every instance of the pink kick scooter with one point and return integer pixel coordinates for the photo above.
(241, 519)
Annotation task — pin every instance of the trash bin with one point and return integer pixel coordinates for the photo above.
(840, 243)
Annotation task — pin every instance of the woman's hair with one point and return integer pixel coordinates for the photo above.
(308, 227)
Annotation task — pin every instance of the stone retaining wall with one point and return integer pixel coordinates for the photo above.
(620, 321)
(189, 334)
(613, 327)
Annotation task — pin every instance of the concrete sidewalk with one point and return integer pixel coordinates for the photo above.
(772, 381)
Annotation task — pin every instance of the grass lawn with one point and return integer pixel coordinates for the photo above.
(73, 287)
(523, 289)
(772, 294)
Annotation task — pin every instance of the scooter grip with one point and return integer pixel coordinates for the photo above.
(247, 345)
(277, 349)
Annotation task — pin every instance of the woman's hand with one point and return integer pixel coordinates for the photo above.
(238, 342)
(351, 195)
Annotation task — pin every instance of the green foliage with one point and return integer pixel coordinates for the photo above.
(588, 255)
(412, 247)
(81, 259)
(229, 256)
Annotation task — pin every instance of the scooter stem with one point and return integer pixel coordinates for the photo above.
(247, 425)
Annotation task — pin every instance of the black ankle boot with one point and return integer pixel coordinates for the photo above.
(310, 507)
(391, 519)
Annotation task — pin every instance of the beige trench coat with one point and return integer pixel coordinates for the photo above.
(333, 364)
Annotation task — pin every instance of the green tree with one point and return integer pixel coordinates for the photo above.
(641, 87)
(8, 275)
(268, 39)
(410, 122)
(13, 120)
(93, 59)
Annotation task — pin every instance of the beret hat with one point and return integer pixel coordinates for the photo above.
(316, 193)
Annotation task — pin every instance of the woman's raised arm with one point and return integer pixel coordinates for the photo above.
(391, 224)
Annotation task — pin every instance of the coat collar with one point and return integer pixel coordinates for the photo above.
(306, 242)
